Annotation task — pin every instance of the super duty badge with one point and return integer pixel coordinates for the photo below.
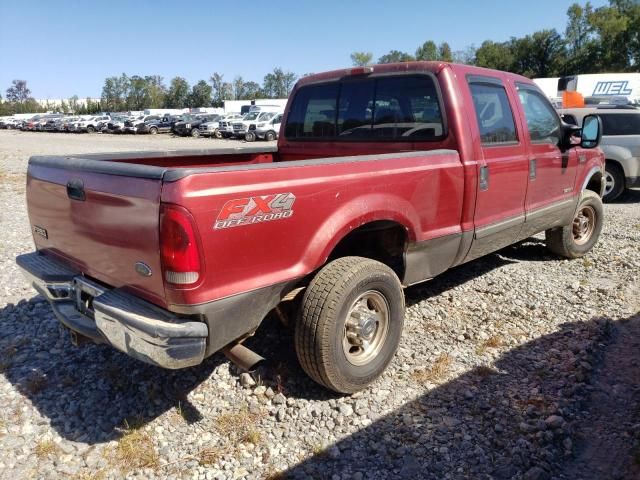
(250, 210)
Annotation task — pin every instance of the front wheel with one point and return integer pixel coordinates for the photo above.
(578, 238)
(350, 323)
(217, 134)
(614, 182)
(195, 133)
(91, 129)
(153, 131)
(250, 137)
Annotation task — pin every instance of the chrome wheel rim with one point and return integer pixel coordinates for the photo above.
(366, 328)
(609, 183)
(584, 224)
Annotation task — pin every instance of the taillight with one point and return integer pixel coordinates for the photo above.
(179, 247)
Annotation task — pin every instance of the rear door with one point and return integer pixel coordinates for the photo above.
(551, 172)
(502, 184)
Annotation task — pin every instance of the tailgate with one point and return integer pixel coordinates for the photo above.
(106, 225)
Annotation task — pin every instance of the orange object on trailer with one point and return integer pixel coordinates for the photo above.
(572, 99)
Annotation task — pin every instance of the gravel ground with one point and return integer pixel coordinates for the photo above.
(517, 366)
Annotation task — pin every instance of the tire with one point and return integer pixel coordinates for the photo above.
(270, 136)
(217, 134)
(153, 131)
(338, 296)
(91, 129)
(195, 133)
(250, 137)
(614, 182)
(578, 238)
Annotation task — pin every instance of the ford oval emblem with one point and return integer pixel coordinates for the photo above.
(143, 269)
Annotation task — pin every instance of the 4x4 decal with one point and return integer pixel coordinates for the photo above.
(250, 210)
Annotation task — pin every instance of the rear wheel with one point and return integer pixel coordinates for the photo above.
(350, 323)
(578, 238)
(270, 136)
(614, 182)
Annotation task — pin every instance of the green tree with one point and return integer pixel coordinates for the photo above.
(444, 52)
(156, 91)
(278, 84)
(252, 90)
(115, 92)
(466, 56)
(581, 45)
(200, 95)
(427, 51)
(395, 56)
(541, 54)
(18, 92)
(221, 90)
(138, 94)
(178, 94)
(238, 88)
(361, 59)
(494, 55)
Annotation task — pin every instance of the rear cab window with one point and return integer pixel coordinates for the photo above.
(391, 108)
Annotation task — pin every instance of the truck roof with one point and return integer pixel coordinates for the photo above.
(421, 66)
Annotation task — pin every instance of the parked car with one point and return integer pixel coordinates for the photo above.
(187, 252)
(620, 144)
(90, 124)
(190, 123)
(241, 127)
(131, 126)
(211, 128)
(268, 130)
(116, 124)
(225, 125)
(162, 125)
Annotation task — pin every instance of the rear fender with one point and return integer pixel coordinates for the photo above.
(348, 217)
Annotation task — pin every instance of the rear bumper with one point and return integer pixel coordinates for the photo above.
(127, 323)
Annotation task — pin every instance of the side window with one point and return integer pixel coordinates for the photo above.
(542, 119)
(494, 115)
(620, 123)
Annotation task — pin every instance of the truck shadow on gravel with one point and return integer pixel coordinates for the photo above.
(521, 418)
(88, 393)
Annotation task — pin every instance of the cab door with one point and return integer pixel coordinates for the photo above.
(551, 172)
(502, 185)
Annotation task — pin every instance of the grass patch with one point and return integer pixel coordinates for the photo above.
(45, 448)
(495, 341)
(238, 426)
(209, 456)
(134, 450)
(587, 263)
(436, 372)
(88, 475)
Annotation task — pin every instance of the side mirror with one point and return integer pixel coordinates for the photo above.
(591, 131)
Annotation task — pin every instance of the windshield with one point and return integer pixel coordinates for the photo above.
(251, 116)
(188, 118)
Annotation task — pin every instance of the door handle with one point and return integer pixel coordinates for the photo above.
(75, 190)
(532, 169)
(484, 177)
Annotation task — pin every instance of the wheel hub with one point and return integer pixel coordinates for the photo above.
(366, 328)
(584, 225)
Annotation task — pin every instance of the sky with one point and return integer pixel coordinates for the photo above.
(64, 48)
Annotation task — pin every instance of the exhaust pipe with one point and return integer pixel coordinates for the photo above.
(242, 357)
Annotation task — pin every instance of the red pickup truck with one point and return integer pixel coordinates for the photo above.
(383, 177)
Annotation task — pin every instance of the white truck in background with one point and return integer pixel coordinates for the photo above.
(596, 88)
